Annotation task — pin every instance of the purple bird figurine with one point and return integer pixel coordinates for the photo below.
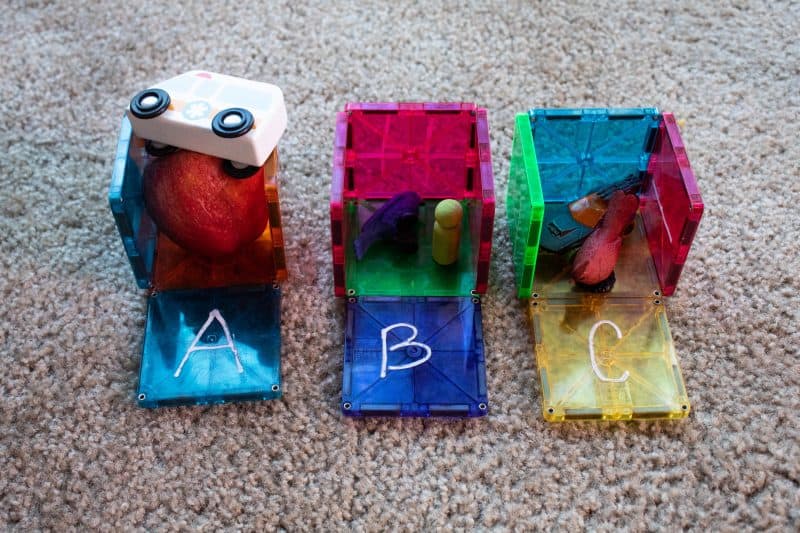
(395, 220)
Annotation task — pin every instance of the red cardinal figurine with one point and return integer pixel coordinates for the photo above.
(594, 263)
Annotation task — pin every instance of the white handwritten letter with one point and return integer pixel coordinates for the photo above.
(213, 315)
(595, 366)
(408, 342)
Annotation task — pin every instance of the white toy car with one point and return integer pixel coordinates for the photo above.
(231, 118)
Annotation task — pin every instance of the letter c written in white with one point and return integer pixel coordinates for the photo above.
(595, 367)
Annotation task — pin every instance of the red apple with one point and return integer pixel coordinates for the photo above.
(198, 205)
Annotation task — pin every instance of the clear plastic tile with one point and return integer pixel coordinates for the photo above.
(211, 346)
(414, 356)
(603, 358)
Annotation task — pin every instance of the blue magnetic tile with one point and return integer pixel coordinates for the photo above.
(137, 230)
(451, 381)
(211, 346)
(582, 150)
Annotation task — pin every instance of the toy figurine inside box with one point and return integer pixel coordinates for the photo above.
(602, 208)
(412, 213)
(194, 194)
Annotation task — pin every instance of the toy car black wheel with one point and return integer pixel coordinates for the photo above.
(232, 122)
(238, 170)
(157, 149)
(150, 103)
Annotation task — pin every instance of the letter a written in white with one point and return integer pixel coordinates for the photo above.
(213, 315)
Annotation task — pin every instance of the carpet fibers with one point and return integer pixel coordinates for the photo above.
(75, 451)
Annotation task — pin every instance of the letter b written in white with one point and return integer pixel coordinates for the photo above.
(408, 342)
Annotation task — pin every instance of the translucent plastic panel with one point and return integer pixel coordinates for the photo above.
(580, 151)
(136, 228)
(414, 357)
(605, 358)
(671, 205)
(340, 234)
(584, 151)
(438, 150)
(177, 268)
(211, 346)
(634, 271)
(524, 206)
(430, 149)
(387, 271)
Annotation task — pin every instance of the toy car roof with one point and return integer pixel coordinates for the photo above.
(224, 116)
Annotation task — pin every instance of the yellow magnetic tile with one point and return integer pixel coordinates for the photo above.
(573, 389)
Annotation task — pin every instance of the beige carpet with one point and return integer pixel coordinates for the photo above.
(75, 451)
